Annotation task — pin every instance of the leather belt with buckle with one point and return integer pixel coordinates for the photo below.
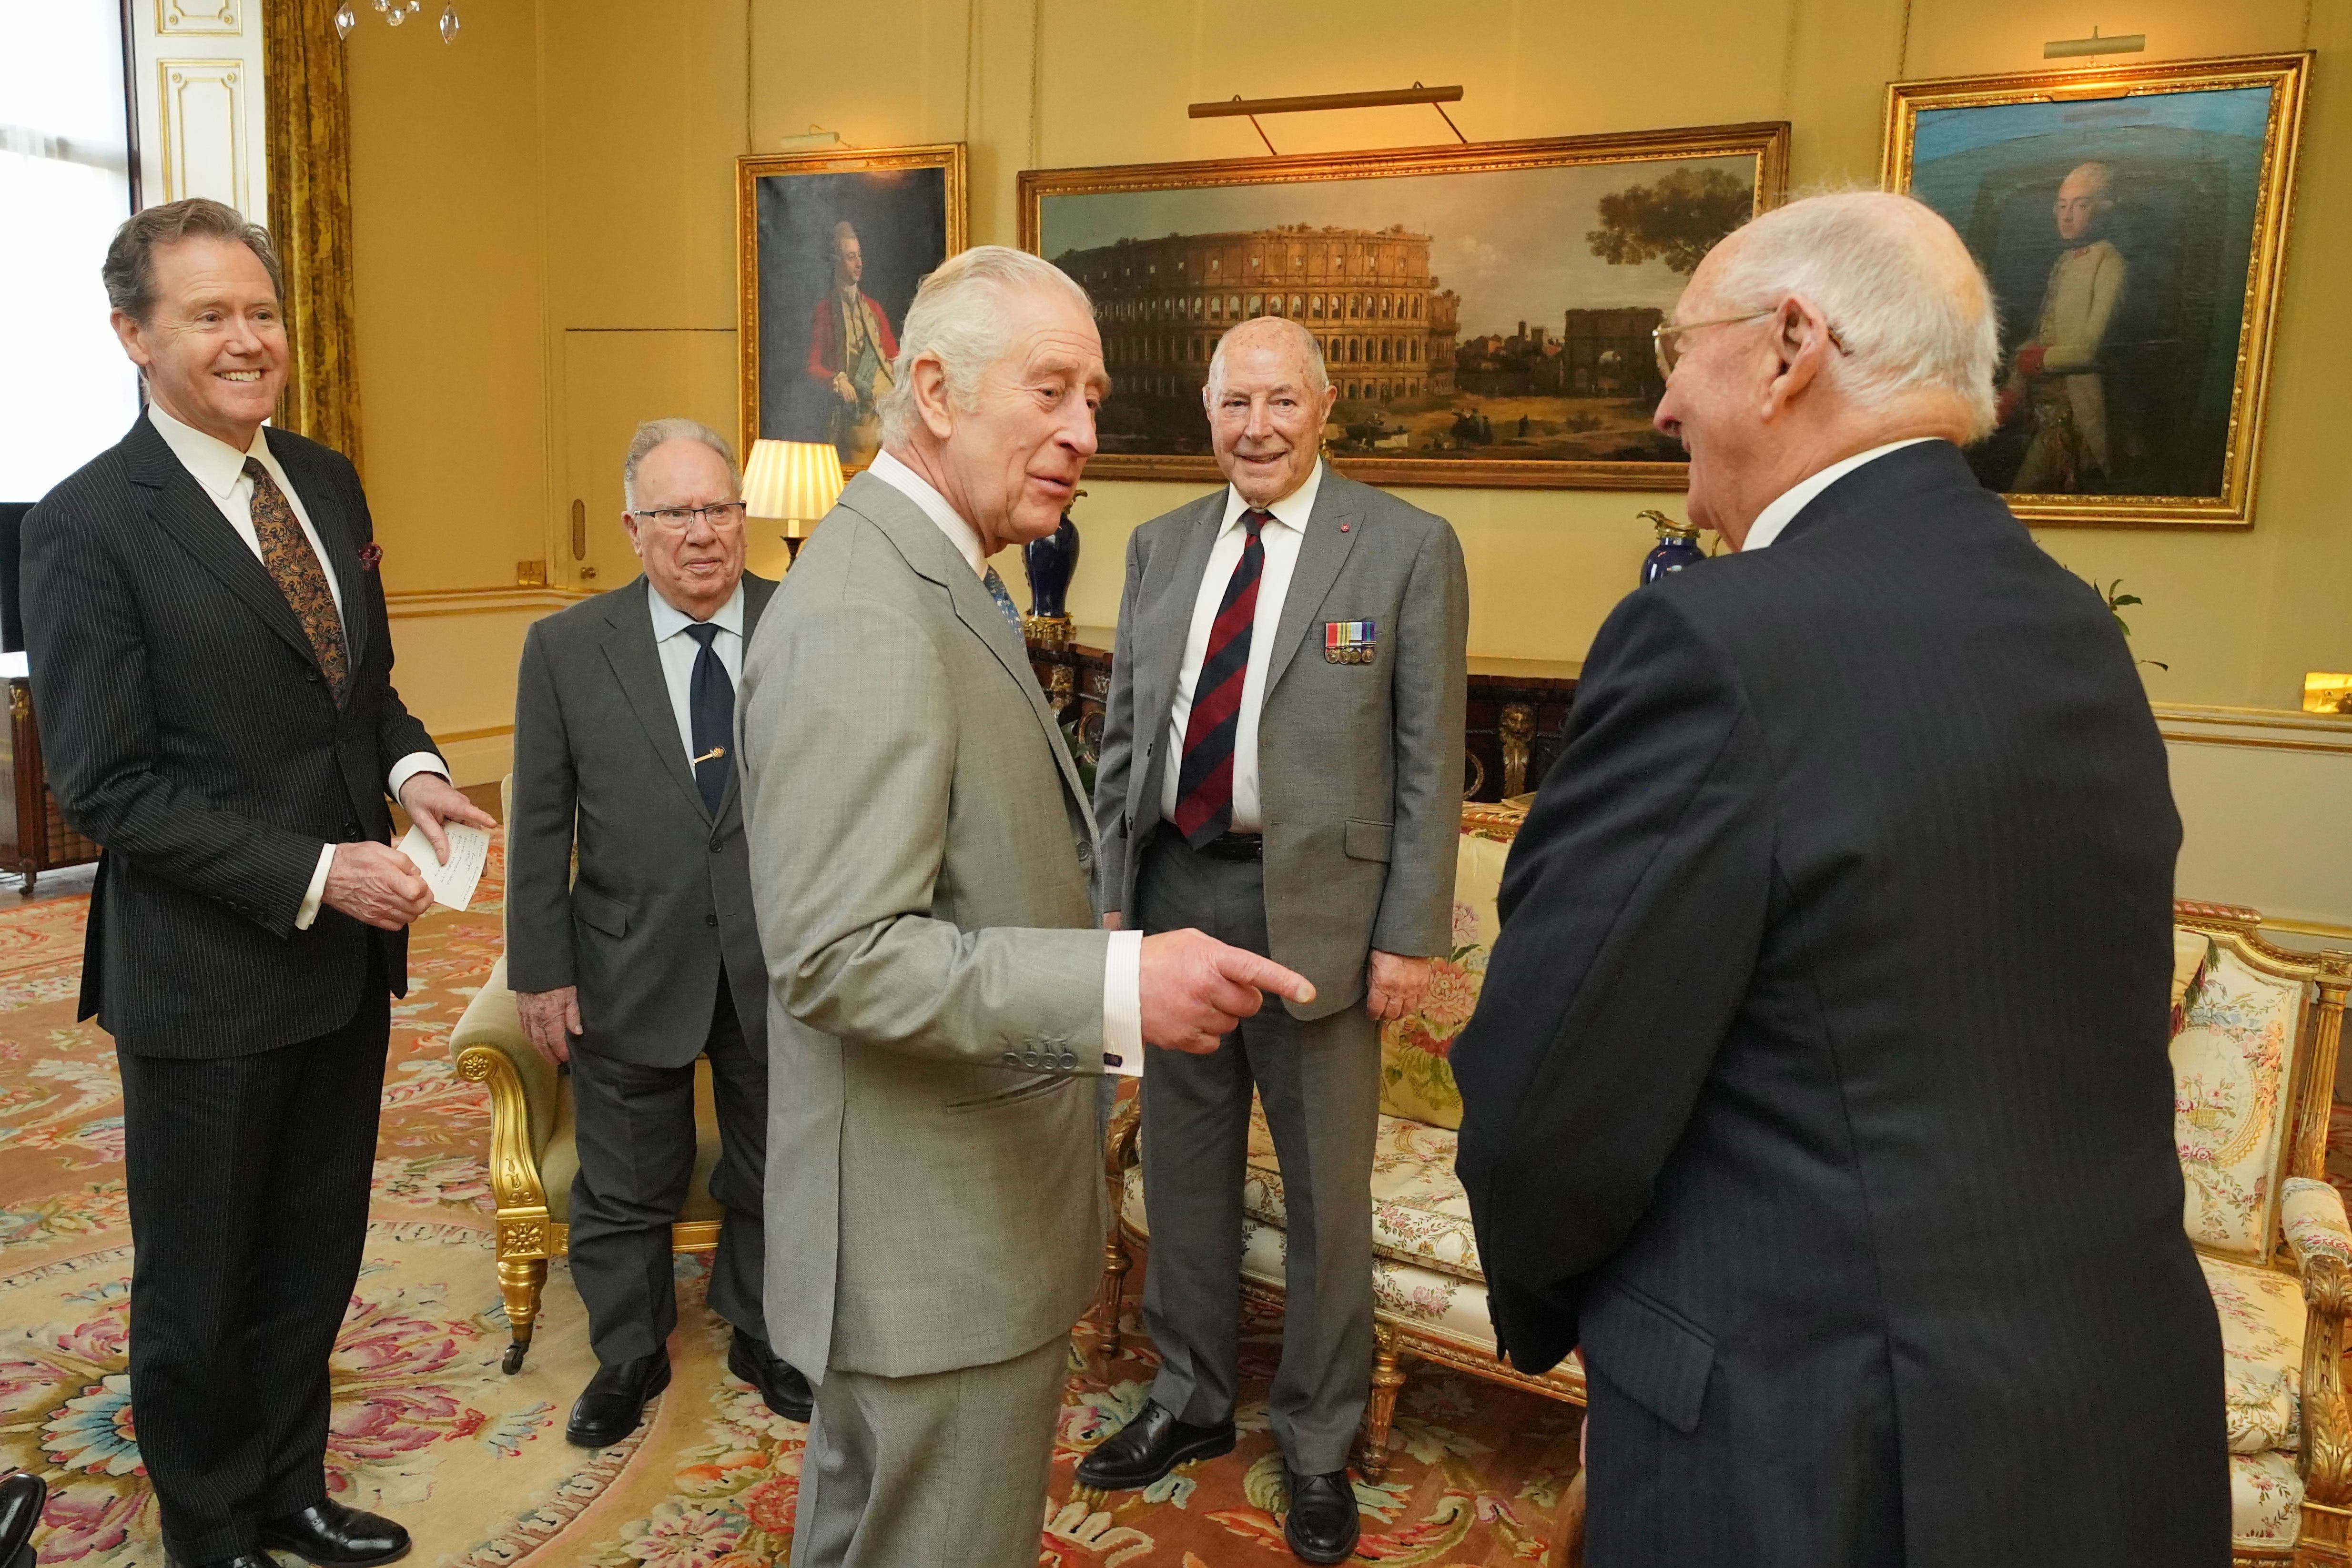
(1234, 847)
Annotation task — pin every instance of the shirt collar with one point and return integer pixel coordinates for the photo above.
(1292, 511)
(669, 619)
(1774, 518)
(917, 489)
(214, 464)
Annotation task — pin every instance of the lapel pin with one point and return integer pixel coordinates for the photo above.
(1343, 528)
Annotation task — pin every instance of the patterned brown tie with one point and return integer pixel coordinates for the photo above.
(300, 576)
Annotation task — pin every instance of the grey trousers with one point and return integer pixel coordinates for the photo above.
(947, 1470)
(634, 1127)
(1320, 1084)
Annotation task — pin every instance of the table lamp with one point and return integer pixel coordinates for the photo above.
(794, 481)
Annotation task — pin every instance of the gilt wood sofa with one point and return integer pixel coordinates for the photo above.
(2254, 1055)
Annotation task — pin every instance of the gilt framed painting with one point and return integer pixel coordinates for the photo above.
(829, 248)
(2133, 223)
(1485, 310)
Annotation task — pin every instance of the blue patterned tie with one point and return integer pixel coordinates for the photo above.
(710, 709)
(995, 586)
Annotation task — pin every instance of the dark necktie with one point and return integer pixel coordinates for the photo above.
(295, 567)
(1204, 787)
(711, 706)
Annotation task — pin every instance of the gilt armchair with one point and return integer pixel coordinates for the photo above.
(2254, 1072)
(532, 1154)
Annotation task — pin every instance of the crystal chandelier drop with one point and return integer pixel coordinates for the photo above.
(394, 12)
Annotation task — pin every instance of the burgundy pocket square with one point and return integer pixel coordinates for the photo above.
(370, 553)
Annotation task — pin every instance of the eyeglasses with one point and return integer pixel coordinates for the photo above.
(723, 516)
(1665, 338)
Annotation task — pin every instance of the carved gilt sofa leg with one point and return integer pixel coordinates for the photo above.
(2327, 1457)
(1118, 1153)
(1379, 1411)
(521, 1280)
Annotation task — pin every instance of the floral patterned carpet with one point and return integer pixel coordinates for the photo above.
(426, 1429)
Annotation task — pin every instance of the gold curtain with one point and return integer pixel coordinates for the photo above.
(310, 218)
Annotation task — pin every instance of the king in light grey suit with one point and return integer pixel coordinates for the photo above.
(938, 989)
(1281, 767)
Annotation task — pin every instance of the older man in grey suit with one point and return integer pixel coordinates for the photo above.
(937, 987)
(1282, 767)
(624, 716)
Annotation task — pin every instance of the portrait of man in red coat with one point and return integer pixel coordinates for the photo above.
(851, 347)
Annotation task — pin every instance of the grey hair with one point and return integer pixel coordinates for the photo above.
(1909, 303)
(129, 270)
(653, 432)
(843, 230)
(958, 319)
(1309, 347)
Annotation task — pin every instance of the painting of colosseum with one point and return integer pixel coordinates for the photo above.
(1485, 310)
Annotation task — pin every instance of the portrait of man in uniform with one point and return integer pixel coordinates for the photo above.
(2053, 379)
(831, 247)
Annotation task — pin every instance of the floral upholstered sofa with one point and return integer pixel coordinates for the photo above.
(1428, 1297)
(2254, 1074)
(2253, 1058)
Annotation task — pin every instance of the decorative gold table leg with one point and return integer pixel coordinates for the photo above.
(1380, 1412)
(519, 1281)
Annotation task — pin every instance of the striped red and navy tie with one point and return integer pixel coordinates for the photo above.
(1205, 787)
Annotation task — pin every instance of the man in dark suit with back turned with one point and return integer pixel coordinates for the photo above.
(624, 730)
(211, 667)
(1817, 1086)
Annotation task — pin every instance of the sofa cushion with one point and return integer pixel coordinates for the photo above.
(2262, 1314)
(1416, 1083)
(561, 1163)
(2231, 1063)
(2265, 1502)
(1420, 1214)
(1444, 1307)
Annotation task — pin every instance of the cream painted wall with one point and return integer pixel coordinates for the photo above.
(568, 168)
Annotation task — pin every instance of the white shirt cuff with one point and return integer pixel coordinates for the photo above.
(1123, 1002)
(316, 892)
(410, 766)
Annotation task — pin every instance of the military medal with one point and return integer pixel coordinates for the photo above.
(1349, 642)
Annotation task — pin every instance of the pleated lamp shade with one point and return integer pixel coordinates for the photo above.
(797, 481)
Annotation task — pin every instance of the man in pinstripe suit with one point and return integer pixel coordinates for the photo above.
(211, 667)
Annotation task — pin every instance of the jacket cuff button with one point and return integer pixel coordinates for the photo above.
(1012, 1059)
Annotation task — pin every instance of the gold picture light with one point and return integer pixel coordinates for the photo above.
(2119, 44)
(1249, 109)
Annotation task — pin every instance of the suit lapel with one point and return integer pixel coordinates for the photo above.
(183, 513)
(1320, 555)
(927, 552)
(636, 665)
(1166, 625)
(333, 526)
(757, 592)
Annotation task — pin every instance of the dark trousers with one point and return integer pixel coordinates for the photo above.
(1319, 1082)
(248, 1184)
(634, 1125)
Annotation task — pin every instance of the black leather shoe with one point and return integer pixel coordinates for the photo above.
(22, 1498)
(333, 1536)
(1149, 1447)
(242, 1560)
(1321, 1525)
(613, 1404)
(781, 1388)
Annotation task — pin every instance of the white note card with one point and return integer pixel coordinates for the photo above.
(469, 851)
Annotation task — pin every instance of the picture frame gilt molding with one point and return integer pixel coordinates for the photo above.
(2194, 161)
(1410, 418)
(912, 207)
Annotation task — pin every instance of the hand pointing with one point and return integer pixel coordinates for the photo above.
(1195, 988)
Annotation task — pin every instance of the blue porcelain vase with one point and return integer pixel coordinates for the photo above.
(1050, 563)
(1677, 547)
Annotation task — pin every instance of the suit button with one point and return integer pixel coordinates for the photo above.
(351, 831)
(1012, 1059)
(1069, 1061)
(714, 846)
(1028, 1058)
(710, 920)
(1086, 854)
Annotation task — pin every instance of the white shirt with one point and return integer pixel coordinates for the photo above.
(1123, 964)
(679, 652)
(1281, 539)
(218, 469)
(1799, 496)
